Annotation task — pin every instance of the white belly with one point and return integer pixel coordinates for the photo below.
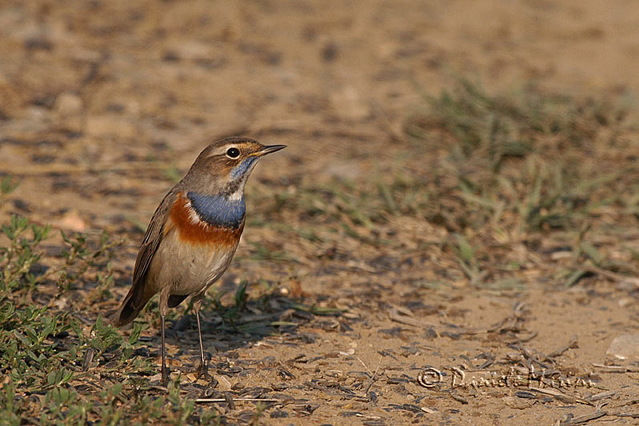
(189, 268)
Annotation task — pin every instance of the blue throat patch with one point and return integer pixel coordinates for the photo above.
(218, 210)
(243, 167)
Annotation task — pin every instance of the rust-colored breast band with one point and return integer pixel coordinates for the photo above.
(195, 231)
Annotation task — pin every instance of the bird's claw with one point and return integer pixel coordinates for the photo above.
(202, 372)
(165, 376)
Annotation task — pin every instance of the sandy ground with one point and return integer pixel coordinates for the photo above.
(98, 100)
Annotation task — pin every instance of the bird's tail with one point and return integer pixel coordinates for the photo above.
(131, 306)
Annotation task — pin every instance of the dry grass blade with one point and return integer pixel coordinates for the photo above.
(225, 400)
(602, 395)
(45, 169)
(579, 420)
(402, 318)
(571, 345)
(616, 368)
(560, 395)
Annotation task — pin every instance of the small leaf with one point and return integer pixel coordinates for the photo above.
(575, 277)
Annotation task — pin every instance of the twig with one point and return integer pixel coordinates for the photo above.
(458, 398)
(560, 396)
(523, 339)
(613, 276)
(205, 400)
(370, 383)
(60, 168)
(630, 415)
(616, 368)
(597, 414)
(561, 351)
(602, 395)
(394, 315)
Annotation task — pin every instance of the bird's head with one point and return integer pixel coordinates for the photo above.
(223, 167)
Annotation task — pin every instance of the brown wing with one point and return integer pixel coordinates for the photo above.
(136, 298)
(153, 236)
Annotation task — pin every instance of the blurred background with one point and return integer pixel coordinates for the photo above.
(106, 83)
(446, 160)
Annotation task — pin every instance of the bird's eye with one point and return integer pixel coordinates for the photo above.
(232, 152)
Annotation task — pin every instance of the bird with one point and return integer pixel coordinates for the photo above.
(193, 234)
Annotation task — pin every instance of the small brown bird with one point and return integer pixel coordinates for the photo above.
(194, 233)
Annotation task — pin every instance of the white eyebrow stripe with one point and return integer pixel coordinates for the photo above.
(222, 150)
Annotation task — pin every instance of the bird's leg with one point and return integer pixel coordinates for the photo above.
(202, 369)
(165, 371)
(164, 297)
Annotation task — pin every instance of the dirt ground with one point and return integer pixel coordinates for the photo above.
(104, 103)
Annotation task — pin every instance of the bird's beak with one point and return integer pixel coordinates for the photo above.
(269, 149)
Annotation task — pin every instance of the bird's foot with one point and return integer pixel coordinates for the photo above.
(202, 371)
(166, 373)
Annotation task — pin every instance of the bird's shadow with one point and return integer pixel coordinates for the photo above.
(240, 323)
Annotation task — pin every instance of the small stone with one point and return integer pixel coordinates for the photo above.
(10, 98)
(625, 301)
(110, 125)
(330, 52)
(348, 104)
(69, 107)
(72, 221)
(343, 170)
(202, 53)
(624, 348)
(517, 403)
(225, 385)
(68, 104)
